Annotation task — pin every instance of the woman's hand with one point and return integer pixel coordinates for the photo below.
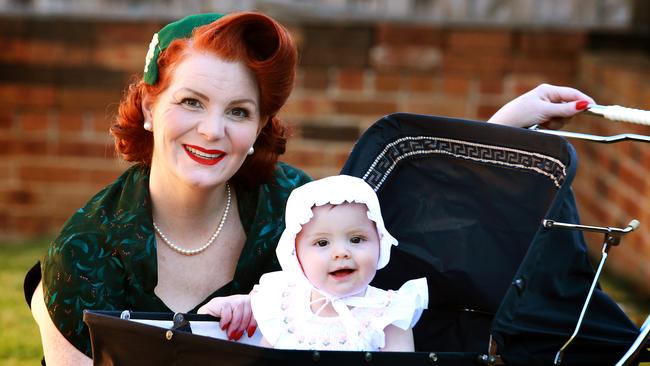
(547, 105)
(235, 313)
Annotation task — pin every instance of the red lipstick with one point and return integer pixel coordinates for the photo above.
(204, 156)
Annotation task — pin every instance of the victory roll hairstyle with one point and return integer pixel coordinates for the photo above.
(263, 45)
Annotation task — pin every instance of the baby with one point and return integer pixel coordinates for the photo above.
(333, 244)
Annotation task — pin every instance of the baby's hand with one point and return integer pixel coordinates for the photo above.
(235, 313)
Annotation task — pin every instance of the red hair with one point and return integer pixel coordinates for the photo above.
(268, 51)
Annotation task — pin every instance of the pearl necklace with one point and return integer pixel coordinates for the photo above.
(205, 246)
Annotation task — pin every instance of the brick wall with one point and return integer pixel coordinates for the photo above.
(60, 82)
(611, 186)
(61, 79)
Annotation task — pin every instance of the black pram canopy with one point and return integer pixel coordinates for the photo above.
(465, 200)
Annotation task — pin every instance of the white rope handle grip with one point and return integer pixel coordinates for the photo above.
(621, 114)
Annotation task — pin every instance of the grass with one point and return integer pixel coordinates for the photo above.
(20, 341)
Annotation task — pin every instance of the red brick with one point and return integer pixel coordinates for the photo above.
(6, 120)
(449, 107)
(490, 85)
(34, 146)
(71, 121)
(47, 53)
(402, 57)
(303, 158)
(137, 33)
(592, 207)
(340, 158)
(365, 107)
(589, 69)
(308, 105)
(547, 65)
(76, 98)
(403, 34)
(387, 81)
(315, 78)
(645, 159)
(34, 122)
(8, 146)
(120, 57)
(495, 65)
(15, 50)
(49, 174)
(103, 176)
(19, 196)
(544, 43)
(42, 95)
(605, 161)
(30, 225)
(420, 83)
(102, 121)
(485, 111)
(351, 79)
(83, 148)
(10, 95)
(78, 55)
(524, 82)
(17, 95)
(622, 82)
(456, 85)
(630, 207)
(479, 42)
(631, 177)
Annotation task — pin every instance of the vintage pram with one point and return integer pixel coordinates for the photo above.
(487, 214)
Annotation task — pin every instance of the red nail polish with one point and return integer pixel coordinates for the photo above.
(583, 104)
(239, 334)
(251, 331)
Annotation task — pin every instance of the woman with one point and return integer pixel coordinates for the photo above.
(207, 199)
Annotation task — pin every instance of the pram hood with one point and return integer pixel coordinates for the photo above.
(466, 201)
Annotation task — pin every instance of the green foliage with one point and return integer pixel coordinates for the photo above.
(20, 341)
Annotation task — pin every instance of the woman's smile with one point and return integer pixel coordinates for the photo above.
(204, 156)
(209, 114)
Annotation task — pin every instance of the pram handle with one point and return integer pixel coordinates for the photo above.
(620, 114)
(614, 113)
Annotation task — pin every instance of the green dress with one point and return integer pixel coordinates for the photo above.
(105, 256)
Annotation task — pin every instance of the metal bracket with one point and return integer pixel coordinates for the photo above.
(181, 323)
(613, 237)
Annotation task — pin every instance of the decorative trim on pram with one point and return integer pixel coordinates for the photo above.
(420, 146)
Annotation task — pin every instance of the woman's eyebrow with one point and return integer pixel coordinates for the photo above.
(244, 100)
(199, 94)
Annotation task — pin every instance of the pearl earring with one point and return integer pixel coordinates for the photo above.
(148, 126)
(251, 151)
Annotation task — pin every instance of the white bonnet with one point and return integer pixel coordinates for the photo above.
(331, 190)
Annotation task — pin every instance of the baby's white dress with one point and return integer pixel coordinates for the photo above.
(281, 306)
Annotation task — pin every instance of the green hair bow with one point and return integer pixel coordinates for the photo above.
(179, 29)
